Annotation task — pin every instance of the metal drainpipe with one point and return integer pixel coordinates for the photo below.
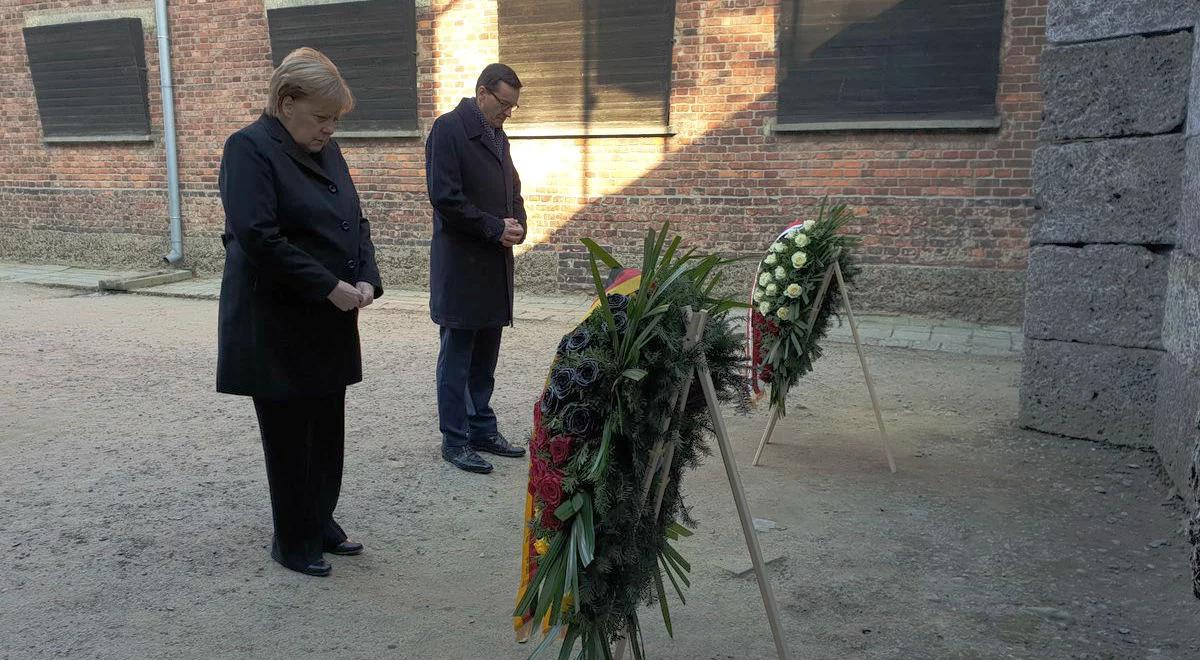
(168, 110)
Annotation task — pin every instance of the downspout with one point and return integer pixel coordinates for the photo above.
(168, 111)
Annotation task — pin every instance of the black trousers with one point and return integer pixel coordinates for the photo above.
(304, 443)
(466, 377)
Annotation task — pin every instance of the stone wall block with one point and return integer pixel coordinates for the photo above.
(1122, 87)
(1181, 323)
(1193, 121)
(1110, 191)
(1187, 220)
(1102, 294)
(1088, 20)
(1175, 434)
(1090, 391)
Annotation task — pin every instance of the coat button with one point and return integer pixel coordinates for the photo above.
(351, 264)
(333, 188)
(345, 225)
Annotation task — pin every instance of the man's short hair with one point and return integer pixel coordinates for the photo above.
(494, 74)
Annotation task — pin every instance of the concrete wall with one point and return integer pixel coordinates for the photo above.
(1113, 299)
(944, 214)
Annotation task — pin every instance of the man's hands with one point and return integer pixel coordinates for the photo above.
(513, 234)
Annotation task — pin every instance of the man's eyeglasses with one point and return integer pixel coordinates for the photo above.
(504, 105)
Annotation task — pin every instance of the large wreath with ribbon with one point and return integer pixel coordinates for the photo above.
(594, 547)
(795, 275)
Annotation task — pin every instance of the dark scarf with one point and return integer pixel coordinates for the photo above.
(495, 135)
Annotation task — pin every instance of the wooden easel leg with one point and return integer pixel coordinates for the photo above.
(862, 358)
(664, 452)
(766, 438)
(743, 509)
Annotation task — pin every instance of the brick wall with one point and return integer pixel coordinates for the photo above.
(943, 214)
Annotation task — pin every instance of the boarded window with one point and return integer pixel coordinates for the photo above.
(90, 79)
(373, 44)
(889, 60)
(589, 64)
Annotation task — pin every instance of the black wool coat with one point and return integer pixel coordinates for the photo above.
(472, 189)
(294, 227)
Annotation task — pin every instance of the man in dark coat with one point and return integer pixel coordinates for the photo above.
(478, 216)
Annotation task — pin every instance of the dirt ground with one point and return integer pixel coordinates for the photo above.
(134, 516)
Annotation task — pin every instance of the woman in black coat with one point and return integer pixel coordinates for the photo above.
(299, 264)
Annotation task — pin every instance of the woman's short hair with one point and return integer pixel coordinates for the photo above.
(307, 73)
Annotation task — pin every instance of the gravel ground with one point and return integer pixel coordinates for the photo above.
(135, 519)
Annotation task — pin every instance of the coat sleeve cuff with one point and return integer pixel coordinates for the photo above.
(493, 228)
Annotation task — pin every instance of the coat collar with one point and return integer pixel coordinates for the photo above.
(467, 115)
(473, 126)
(278, 133)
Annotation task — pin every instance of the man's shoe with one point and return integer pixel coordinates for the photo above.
(498, 445)
(345, 548)
(319, 568)
(465, 458)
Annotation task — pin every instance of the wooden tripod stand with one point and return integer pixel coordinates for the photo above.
(835, 270)
(663, 453)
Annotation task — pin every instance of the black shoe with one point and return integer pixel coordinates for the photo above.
(465, 458)
(319, 568)
(498, 445)
(345, 548)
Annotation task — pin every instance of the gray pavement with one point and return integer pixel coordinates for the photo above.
(875, 329)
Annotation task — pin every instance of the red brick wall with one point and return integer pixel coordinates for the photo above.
(948, 200)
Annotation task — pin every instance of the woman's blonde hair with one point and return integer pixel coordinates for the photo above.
(306, 73)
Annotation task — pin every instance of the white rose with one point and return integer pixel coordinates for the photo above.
(764, 307)
(808, 225)
(793, 291)
(772, 289)
(778, 246)
(784, 313)
(758, 294)
(771, 260)
(801, 240)
(780, 273)
(798, 260)
(764, 278)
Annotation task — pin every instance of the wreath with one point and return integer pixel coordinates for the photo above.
(793, 277)
(595, 549)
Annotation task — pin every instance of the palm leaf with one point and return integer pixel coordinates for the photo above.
(601, 253)
(678, 591)
(568, 643)
(662, 600)
(587, 536)
(547, 642)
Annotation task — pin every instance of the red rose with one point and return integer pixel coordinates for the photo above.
(538, 441)
(549, 489)
(537, 469)
(549, 521)
(560, 449)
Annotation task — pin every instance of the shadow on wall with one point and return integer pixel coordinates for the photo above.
(724, 202)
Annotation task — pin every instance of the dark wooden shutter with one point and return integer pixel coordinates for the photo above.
(589, 63)
(882, 60)
(90, 78)
(373, 44)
